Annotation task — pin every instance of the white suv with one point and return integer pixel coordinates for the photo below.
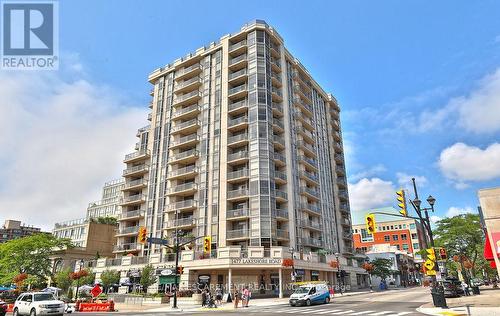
(38, 303)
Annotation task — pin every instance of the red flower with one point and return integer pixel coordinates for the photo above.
(288, 262)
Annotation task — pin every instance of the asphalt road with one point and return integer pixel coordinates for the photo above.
(388, 303)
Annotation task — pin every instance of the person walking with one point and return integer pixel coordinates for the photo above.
(218, 296)
(465, 287)
(236, 298)
(247, 293)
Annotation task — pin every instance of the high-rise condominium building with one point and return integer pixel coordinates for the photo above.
(246, 147)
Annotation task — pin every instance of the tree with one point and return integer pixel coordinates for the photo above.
(83, 277)
(106, 220)
(108, 278)
(63, 280)
(381, 268)
(461, 236)
(29, 255)
(148, 277)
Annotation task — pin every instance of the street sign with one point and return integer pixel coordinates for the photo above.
(155, 240)
(166, 272)
(96, 291)
(431, 255)
(429, 264)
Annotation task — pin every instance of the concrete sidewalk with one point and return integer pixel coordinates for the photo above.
(485, 304)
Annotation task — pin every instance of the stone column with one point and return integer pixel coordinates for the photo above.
(280, 283)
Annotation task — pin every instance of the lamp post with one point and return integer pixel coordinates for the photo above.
(367, 261)
(339, 273)
(80, 266)
(291, 250)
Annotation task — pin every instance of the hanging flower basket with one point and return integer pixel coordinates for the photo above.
(468, 264)
(334, 264)
(368, 266)
(455, 258)
(288, 262)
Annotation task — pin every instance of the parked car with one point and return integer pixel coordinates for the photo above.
(457, 283)
(3, 308)
(477, 282)
(38, 303)
(450, 289)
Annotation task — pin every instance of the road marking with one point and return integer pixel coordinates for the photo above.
(329, 311)
(363, 312)
(344, 312)
(381, 313)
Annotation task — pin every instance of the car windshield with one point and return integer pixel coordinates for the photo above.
(302, 290)
(44, 297)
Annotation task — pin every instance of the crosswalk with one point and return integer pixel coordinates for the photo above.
(326, 310)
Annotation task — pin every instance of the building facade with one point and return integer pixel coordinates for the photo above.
(13, 229)
(405, 234)
(108, 205)
(243, 146)
(490, 213)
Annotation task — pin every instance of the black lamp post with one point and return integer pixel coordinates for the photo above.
(80, 266)
(291, 250)
(339, 273)
(367, 261)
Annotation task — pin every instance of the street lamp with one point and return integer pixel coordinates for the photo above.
(339, 273)
(291, 250)
(367, 261)
(80, 266)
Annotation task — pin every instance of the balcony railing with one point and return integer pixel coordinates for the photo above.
(242, 212)
(278, 107)
(281, 233)
(237, 174)
(184, 154)
(186, 96)
(279, 123)
(238, 155)
(311, 207)
(237, 105)
(237, 59)
(281, 213)
(183, 187)
(238, 45)
(142, 152)
(237, 89)
(240, 233)
(186, 83)
(277, 91)
(280, 175)
(237, 74)
(183, 204)
(133, 183)
(310, 191)
(237, 193)
(185, 110)
(279, 140)
(280, 157)
(309, 223)
(307, 146)
(185, 70)
(281, 194)
(133, 198)
(303, 104)
(126, 247)
(131, 214)
(312, 241)
(187, 221)
(128, 230)
(276, 62)
(309, 175)
(184, 139)
(237, 138)
(237, 121)
(310, 161)
(181, 171)
(184, 125)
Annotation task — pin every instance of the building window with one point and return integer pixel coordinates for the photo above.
(365, 237)
(395, 237)
(403, 236)
(387, 238)
(412, 226)
(397, 247)
(414, 236)
(405, 246)
(416, 246)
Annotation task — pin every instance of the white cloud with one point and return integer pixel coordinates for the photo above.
(478, 112)
(434, 219)
(404, 180)
(371, 193)
(370, 172)
(454, 211)
(61, 139)
(461, 163)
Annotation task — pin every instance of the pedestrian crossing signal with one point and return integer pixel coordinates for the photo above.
(207, 244)
(180, 270)
(142, 236)
(402, 202)
(370, 223)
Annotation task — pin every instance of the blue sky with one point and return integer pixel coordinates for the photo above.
(417, 82)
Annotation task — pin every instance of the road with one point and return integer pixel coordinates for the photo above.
(388, 303)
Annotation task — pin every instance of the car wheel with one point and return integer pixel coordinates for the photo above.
(33, 312)
(308, 302)
(16, 312)
(327, 300)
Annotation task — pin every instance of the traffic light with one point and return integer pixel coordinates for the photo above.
(207, 244)
(142, 236)
(370, 223)
(442, 254)
(431, 255)
(180, 270)
(402, 202)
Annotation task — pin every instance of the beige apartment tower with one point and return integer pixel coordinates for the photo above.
(244, 146)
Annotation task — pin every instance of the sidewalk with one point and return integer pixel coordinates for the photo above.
(485, 304)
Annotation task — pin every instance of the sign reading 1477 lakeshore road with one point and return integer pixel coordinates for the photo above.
(255, 261)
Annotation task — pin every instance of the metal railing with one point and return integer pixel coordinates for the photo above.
(281, 194)
(238, 45)
(240, 212)
(310, 191)
(281, 213)
(281, 233)
(301, 102)
(130, 214)
(280, 175)
(279, 123)
(237, 59)
(307, 146)
(312, 241)
(280, 157)
(183, 154)
(187, 221)
(237, 74)
(133, 198)
(309, 175)
(186, 83)
(184, 170)
(186, 124)
(185, 110)
(184, 139)
(128, 230)
(278, 139)
(241, 233)
(237, 89)
(311, 207)
(185, 70)
(186, 96)
(183, 204)
(276, 62)
(237, 105)
(183, 187)
(236, 121)
(237, 138)
(278, 107)
(237, 193)
(237, 174)
(142, 152)
(133, 183)
(277, 91)
(310, 161)
(237, 155)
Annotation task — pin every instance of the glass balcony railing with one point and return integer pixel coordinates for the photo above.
(237, 59)
(183, 187)
(240, 212)
(237, 74)
(237, 138)
(310, 161)
(312, 176)
(237, 89)
(185, 110)
(128, 230)
(237, 174)
(240, 233)
(278, 139)
(126, 247)
(280, 175)
(237, 193)
(186, 96)
(183, 204)
(281, 213)
(181, 171)
(281, 233)
(280, 157)
(188, 82)
(133, 198)
(182, 140)
(237, 105)
(186, 70)
(311, 207)
(132, 214)
(237, 121)
(134, 183)
(184, 154)
(310, 191)
(237, 155)
(237, 45)
(281, 194)
(183, 125)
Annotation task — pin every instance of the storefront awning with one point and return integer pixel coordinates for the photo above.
(169, 279)
(488, 252)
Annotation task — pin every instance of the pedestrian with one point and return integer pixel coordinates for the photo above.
(203, 298)
(218, 295)
(465, 287)
(248, 294)
(236, 298)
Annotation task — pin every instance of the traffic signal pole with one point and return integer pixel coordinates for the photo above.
(176, 267)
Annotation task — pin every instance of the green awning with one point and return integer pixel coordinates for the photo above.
(170, 279)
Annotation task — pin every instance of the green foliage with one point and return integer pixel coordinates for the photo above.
(148, 277)
(110, 277)
(105, 220)
(381, 268)
(29, 255)
(71, 294)
(86, 280)
(461, 235)
(63, 279)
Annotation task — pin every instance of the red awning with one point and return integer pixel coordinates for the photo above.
(488, 253)
(493, 264)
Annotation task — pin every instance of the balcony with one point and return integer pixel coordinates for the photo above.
(187, 98)
(304, 107)
(238, 214)
(280, 177)
(239, 194)
(238, 175)
(308, 241)
(345, 222)
(237, 157)
(339, 158)
(150, 117)
(276, 80)
(135, 184)
(347, 235)
(279, 159)
(303, 81)
(275, 50)
(238, 48)
(341, 183)
(306, 134)
(183, 173)
(282, 234)
(135, 214)
(183, 189)
(338, 148)
(336, 136)
(130, 247)
(335, 114)
(279, 142)
(187, 85)
(188, 72)
(277, 109)
(311, 208)
(150, 105)
(142, 130)
(237, 234)
(305, 95)
(276, 64)
(281, 196)
(336, 125)
(238, 107)
(309, 162)
(343, 195)
(340, 171)
(185, 141)
(185, 205)
(278, 125)
(277, 95)
(152, 91)
(136, 170)
(190, 126)
(237, 140)
(312, 225)
(309, 176)
(187, 112)
(307, 148)
(281, 214)
(310, 192)
(238, 62)
(344, 209)
(184, 157)
(236, 124)
(132, 230)
(237, 92)
(181, 223)
(306, 121)
(133, 199)
(237, 77)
